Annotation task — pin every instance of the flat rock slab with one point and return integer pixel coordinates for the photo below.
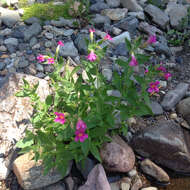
(30, 174)
(166, 144)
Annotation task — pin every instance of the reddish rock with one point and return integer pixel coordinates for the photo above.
(117, 156)
(97, 180)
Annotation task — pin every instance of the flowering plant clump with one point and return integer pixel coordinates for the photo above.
(79, 116)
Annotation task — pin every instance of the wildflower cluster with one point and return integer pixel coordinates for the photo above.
(79, 116)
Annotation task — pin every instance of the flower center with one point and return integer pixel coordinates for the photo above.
(80, 134)
(61, 117)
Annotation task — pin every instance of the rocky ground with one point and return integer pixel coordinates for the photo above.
(159, 142)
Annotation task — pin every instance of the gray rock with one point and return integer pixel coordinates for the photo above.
(176, 13)
(70, 184)
(96, 180)
(149, 29)
(150, 188)
(80, 43)
(88, 166)
(157, 15)
(32, 20)
(174, 96)
(129, 24)
(115, 14)
(39, 67)
(9, 17)
(121, 38)
(68, 49)
(2, 65)
(56, 186)
(117, 156)
(48, 44)
(11, 41)
(33, 41)
(23, 63)
(100, 20)
(155, 171)
(48, 35)
(32, 31)
(121, 50)
(98, 7)
(167, 144)
(162, 48)
(63, 22)
(30, 174)
(5, 32)
(131, 5)
(183, 109)
(156, 108)
(113, 3)
(139, 15)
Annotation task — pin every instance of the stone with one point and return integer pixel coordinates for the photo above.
(121, 50)
(98, 7)
(48, 44)
(96, 180)
(139, 15)
(173, 97)
(150, 188)
(149, 29)
(3, 49)
(11, 41)
(131, 5)
(69, 182)
(5, 32)
(68, 49)
(62, 22)
(162, 48)
(116, 31)
(129, 24)
(157, 15)
(166, 143)
(156, 108)
(32, 31)
(125, 186)
(100, 20)
(114, 186)
(4, 171)
(115, 14)
(2, 65)
(132, 173)
(155, 171)
(176, 13)
(136, 183)
(183, 109)
(56, 186)
(121, 38)
(80, 43)
(48, 35)
(23, 62)
(33, 41)
(113, 3)
(30, 174)
(9, 17)
(88, 166)
(117, 156)
(32, 20)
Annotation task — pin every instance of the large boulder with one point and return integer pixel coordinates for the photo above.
(15, 112)
(166, 144)
(117, 156)
(131, 5)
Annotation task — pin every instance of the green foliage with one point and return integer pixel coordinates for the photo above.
(46, 11)
(87, 100)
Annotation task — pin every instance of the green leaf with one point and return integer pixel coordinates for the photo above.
(94, 150)
(142, 58)
(24, 143)
(20, 94)
(137, 43)
(128, 44)
(49, 100)
(85, 146)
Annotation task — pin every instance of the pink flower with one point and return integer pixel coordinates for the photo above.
(133, 61)
(60, 117)
(146, 71)
(41, 58)
(167, 75)
(91, 30)
(161, 68)
(91, 56)
(51, 61)
(80, 135)
(153, 87)
(60, 43)
(107, 37)
(81, 125)
(151, 39)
